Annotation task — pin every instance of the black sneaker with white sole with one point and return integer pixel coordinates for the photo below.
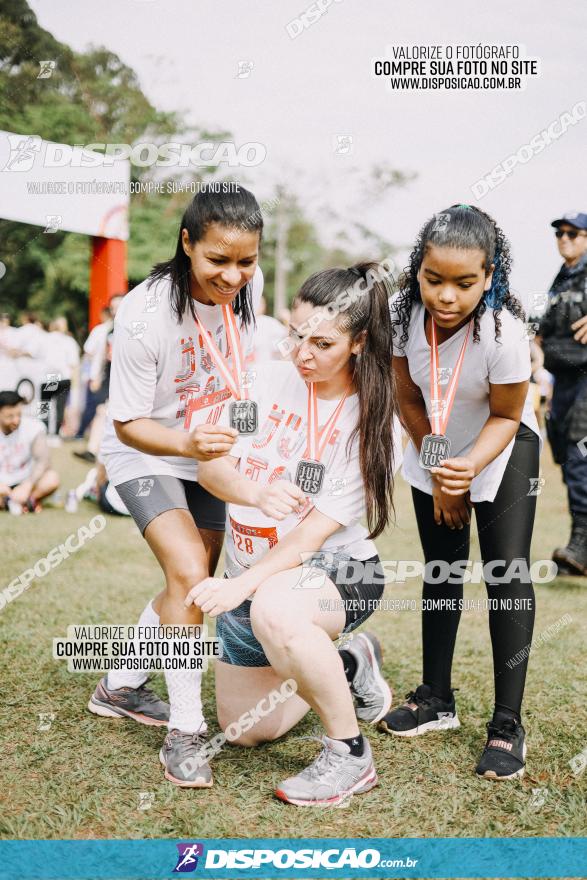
(422, 712)
(504, 755)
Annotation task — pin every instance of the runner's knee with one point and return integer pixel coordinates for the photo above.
(181, 578)
(273, 623)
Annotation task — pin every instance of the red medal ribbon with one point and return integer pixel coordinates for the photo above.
(439, 420)
(232, 375)
(318, 440)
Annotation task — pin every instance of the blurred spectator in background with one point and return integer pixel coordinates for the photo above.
(563, 335)
(26, 476)
(94, 348)
(24, 356)
(61, 362)
(30, 336)
(8, 369)
(99, 380)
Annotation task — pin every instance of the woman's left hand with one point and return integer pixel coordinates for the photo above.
(216, 595)
(455, 475)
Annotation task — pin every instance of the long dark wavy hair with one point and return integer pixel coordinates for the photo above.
(366, 316)
(464, 227)
(235, 209)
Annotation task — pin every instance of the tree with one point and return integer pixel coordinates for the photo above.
(89, 98)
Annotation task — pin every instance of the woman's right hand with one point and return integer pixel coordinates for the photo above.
(453, 510)
(277, 500)
(207, 442)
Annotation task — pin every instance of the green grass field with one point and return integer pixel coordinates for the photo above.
(82, 777)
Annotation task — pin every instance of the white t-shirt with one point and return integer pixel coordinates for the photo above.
(97, 338)
(16, 460)
(488, 361)
(8, 368)
(95, 347)
(14, 369)
(270, 331)
(62, 354)
(273, 454)
(32, 340)
(161, 370)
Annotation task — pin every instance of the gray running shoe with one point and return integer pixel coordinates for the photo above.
(183, 756)
(370, 691)
(139, 703)
(333, 777)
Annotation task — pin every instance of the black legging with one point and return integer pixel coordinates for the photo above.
(505, 532)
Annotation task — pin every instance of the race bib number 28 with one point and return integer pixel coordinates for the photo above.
(251, 543)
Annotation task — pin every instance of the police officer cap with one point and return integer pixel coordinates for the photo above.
(573, 218)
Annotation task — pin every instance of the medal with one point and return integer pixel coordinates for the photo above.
(310, 470)
(243, 413)
(310, 476)
(436, 447)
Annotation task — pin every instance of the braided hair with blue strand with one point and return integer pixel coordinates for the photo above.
(462, 227)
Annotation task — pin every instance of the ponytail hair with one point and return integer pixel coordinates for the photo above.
(359, 296)
(237, 210)
(463, 227)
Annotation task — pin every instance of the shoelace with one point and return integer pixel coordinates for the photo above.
(418, 698)
(191, 739)
(326, 760)
(506, 731)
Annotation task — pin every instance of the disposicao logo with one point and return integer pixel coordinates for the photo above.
(187, 860)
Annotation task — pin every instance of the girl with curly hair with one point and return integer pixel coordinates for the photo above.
(462, 365)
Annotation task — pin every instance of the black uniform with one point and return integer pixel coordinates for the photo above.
(566, 359)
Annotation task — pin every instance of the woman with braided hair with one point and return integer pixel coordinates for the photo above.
(462, 365)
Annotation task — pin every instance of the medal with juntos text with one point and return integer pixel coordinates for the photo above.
(436, 446)
(310, 470)
(242, 413)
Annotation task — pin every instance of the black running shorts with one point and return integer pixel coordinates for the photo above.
(147, 497)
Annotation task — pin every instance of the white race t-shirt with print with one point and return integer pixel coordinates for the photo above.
(499, 362)
(161, 370)
(273, 454)
(16, 460)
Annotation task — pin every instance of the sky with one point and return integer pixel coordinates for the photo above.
(303, 94)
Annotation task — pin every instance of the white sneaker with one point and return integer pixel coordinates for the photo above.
(332, 777)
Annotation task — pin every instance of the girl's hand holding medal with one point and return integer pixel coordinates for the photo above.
(454, 512)
(450, 491)
(455, 475)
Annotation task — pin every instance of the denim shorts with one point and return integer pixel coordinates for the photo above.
(360, 592)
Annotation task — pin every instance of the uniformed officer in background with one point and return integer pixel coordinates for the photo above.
(563, 332)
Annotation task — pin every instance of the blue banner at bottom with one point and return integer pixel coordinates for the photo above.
(310, 858)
